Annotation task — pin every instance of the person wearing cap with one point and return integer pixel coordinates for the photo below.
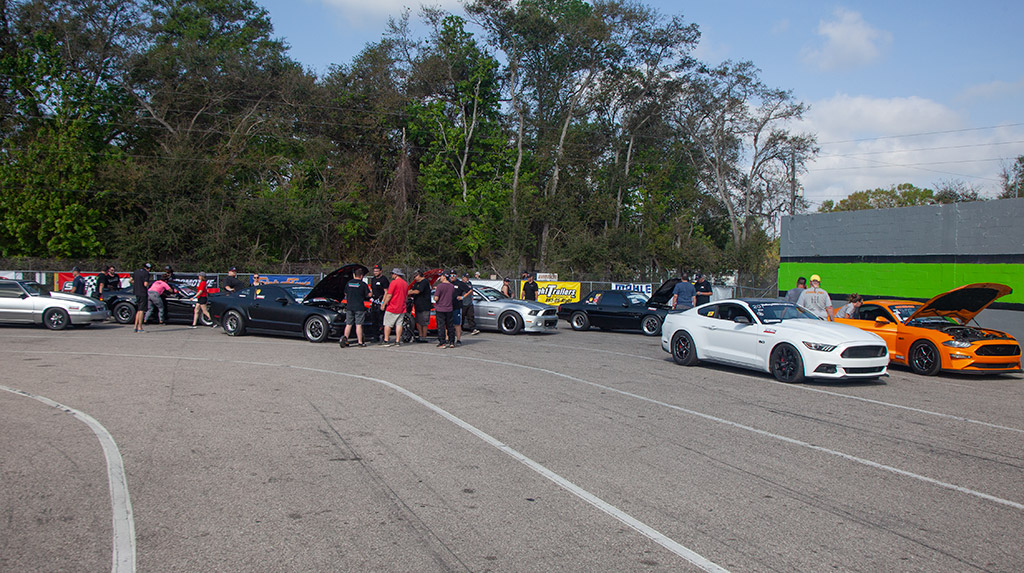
(77, 283)
(420, 292)
(793, 294)
(816, 300)
(703, 287)
(394, 306)
(233, 283)
(107, 281)
(140, 288)
(684, 295)
(378, 287)
(530, 288)
(444, 304)
(506, 287)
(468, 310)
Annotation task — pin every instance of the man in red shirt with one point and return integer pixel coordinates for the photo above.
(394, 306)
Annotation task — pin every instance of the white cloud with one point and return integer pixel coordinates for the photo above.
(362, 11)
(992, 91)
(867, 143)
(849, 42)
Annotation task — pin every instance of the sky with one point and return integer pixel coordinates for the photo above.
(899, 91)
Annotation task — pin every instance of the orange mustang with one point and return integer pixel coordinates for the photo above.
(935, 336)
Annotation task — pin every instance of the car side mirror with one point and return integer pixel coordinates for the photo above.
(741, 319)
(23, 296)
(282, 300)
(880, 320)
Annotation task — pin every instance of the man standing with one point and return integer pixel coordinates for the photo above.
(233, 283)
(394, 306)
(356, 295)
(140, 288)
(462, 291)
(793, 294)
(684, 296)
(420, 291)
(444, 294)
(816, 300)
(77, 283)
(530, 288)
(107, 281)
(378, 287)
(704, 291)
(468, 310)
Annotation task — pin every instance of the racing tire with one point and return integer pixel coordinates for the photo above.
(510, 323)
(205, 321)
(579, 321)
(56, 319)
(651, 325)
(924, 358)
(786, 364)
(316, 329)
(124, 313)
(234, 324)
(684, 351)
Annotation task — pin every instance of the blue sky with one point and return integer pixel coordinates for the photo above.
(899, 91)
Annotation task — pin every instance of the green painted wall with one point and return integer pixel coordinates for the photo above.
(904, 280)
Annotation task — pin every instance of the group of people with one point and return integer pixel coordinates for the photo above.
(149, 295)
(451, 298)
(818, 302)
(688, 295)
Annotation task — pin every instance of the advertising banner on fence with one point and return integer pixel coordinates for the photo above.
(556, 293)
(645, 288)
(64, 281)
(301, 280)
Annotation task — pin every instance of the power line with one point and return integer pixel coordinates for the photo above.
(923, 133)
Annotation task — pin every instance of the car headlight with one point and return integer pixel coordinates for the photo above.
(957, 343)
(819, 346)
(534, 312)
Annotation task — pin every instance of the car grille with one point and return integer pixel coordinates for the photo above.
(549, 312)
(998, 350)
(1001, 366)
(864, 370)
(865, 352)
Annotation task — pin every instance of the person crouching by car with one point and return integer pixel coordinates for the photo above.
(356, 295)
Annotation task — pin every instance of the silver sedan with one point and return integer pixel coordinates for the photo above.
(32, 303)
(495, 311)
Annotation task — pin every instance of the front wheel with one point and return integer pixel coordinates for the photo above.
(651, 325)
(579, 321)
(205, 320)
(316, 329)
(510, 323)
(234, 324)
(56, 319)
(786, 364)
(684, 352)
(124, 312)
(924, 358)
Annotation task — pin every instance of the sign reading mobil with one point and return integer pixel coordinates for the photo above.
(645, 288)
(556, 293)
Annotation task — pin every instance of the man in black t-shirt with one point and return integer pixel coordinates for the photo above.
(233, 283)
(420, 293)
(107, 281)
(468, 310)
(140, 288)
(378, 288)
(703, 287)
(462, 292)
(530, 288)
(356, 295)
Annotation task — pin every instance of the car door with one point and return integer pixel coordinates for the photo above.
(272, 309)
(609, 310)
(733, 335)
(14, 303)
(486, 311)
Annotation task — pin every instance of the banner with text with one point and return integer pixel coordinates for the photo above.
(646, 288)
(556, 293)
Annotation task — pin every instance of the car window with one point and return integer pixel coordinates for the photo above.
(36, 289)
(905, 310)
(710, 311)
(637, 299)
(490, 293)
(10, 290)
(873, 312)
(594, 298)
(731, 311)
(778, 311)
(613, 299)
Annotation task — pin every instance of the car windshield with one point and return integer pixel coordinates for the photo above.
(298, 293)
(904, 311)
(490, 293)
(778, 311)
(36, 289)
(637, 298)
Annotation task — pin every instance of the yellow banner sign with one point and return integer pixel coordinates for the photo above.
(556, 293)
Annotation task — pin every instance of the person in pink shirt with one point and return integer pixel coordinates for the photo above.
(394, 306)
(155, 294)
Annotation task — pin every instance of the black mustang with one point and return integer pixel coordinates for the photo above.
(620, 310)
(281, 308)
(179, 305)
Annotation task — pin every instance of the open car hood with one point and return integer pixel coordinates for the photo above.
(432, 275)
(962, 303)
(663, 295)
(333, 285)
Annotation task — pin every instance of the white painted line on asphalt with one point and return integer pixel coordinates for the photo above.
(633, 523)
(124, 524)
(765, 433)
(819, 390)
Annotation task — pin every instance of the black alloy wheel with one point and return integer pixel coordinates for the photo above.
(651, 325)
(56, 319)
(684, 352)
(924, 358)
(786, 364)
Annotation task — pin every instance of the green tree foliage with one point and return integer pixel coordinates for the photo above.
(902, 195)
(1013, 180)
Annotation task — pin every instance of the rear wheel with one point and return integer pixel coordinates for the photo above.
(316, 329)
(204, 320)
(408, 327)
(786, 364)
(651, 325)
(579, 321)
(510, 323)
(924, 358)
(234, 324)
(124, 312)
(684, 352)
(56, 319)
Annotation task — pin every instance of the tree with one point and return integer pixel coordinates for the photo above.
(955, 191)
(1013, 180)
(902, 195)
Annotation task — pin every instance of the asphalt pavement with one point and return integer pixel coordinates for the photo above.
(571, 451)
